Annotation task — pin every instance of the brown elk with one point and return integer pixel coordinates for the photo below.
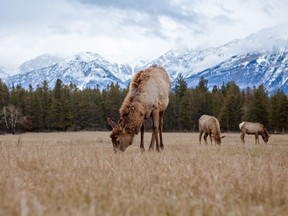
(253, 128)
(209, 125)
(148, 96)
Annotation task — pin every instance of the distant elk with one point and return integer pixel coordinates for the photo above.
(209, 125)
(148, 96)
(253, 128)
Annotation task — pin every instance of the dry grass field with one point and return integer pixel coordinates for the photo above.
(77, 173)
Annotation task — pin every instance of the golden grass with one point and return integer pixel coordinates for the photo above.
(78, 174)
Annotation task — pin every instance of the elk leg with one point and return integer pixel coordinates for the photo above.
(161, 115)
(210, 138)
(200, 136)
(205, 138)
(152, 141)
(242, 138)
(142, 138)
(256, 138)
(155, 120)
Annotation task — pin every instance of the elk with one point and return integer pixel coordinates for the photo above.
(148, 96)
(253, 128)
(209, 125)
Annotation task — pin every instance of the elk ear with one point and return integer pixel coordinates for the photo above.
(222, 137)
(111, 122)
(121, 123)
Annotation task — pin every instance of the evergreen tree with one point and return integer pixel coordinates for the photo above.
(181, 86)
(283, 112)
(56, 114)
(172, 112)
(14, 99)
(76, 99)
(171, 115)
(186, 112)
(201, 100)
(98, 120)
(36, 109)
(112, 101)
(46, 105)
(258, 108)
(247, 98)
(4, 94)
(278, 114)
(230, 113)
(84, 109)
(193, 104)
(216, 101)
(66, 108)
(202, 85)
(19, 97)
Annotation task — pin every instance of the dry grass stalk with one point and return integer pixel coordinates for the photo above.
(78, 174)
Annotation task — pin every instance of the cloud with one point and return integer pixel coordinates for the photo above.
(159, 7)
(123, 31)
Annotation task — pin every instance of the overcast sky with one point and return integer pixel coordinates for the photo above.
(123, 31)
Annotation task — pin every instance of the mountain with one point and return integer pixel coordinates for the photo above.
(38, 63)
(3, 74)
(193, 61)
(251, 69)
(84, 69)
(188, 62)
(221, 65)
(261, 58)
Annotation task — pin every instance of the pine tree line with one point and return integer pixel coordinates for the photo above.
(66, 107)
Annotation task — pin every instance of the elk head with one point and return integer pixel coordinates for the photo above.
(265, 137)
(120, 137)
(218, 139)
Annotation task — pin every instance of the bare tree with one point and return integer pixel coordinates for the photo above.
(11, 117)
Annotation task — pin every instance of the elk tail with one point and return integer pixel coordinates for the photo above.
(241, 125)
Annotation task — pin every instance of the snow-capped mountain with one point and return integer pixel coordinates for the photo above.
(269, 68)
(3, 74)
(39, 62)
(84, 69)
(189, 62)
(261, 58)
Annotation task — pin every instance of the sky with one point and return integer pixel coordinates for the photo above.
(127, 31)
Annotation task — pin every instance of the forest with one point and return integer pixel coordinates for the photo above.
(68, 108)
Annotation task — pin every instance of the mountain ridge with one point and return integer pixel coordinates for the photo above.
(245, 61)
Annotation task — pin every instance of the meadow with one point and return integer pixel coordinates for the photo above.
(77, 173)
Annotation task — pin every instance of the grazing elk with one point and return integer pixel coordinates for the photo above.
(209, 125)
(253, 128)
(148, 96)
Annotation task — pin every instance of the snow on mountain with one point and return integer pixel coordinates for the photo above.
(260, 58)
(84, 69)
(192, 61)
(42, 61)
(251, 69)
(3, 74)
(185, 62)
